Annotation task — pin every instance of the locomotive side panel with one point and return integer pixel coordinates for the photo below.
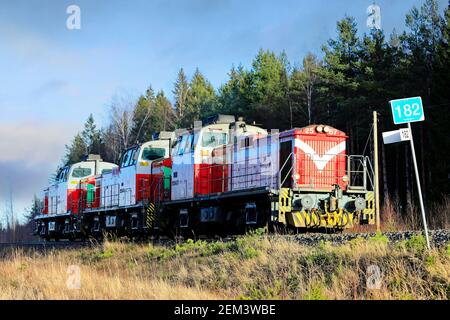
(255, 162)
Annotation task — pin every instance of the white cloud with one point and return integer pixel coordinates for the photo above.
(29, 152)
(33, 141)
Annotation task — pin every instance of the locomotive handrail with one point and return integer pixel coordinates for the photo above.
(282, 167)
(367, 171)
(230, 181)
(372, 172)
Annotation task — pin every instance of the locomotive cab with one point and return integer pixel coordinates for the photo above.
(192, 172)
(131, 183)
(64, 195)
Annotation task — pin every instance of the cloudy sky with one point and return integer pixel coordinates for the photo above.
(51, 77)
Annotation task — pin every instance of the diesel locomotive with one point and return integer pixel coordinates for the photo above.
(220, 177)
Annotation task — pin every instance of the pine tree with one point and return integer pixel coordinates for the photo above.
(76, 151)
(341, 68)
(201, 100)
(181, 92)
(231, 98)
(421, 40)
(164, 115)
(265, 89)
(91, 137)
(143, 117)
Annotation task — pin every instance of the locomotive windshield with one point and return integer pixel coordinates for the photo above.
(214, 139)
(153, 153)
(81, 172)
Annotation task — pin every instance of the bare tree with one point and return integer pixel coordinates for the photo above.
(310, 78)
(117, 136)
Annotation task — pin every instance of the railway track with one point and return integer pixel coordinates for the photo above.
(44, 245)
(438, 238)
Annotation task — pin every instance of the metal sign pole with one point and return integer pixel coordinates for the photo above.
(422, 208)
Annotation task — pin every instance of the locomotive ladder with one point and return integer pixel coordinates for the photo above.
(282, 180)
(154, 203)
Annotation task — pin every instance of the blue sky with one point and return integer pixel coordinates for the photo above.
(51, 78)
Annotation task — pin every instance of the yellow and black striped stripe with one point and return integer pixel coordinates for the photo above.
(150, 215)
(369, 211)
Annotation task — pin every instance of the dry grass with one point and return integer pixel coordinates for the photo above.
(438, 215)
(253, 267)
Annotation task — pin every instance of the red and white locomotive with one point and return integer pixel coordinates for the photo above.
(65, 196)
(222, 177)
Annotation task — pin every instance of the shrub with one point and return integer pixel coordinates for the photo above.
(106, 254)
(417, 244)
(379, 238)
(315, 293)
(246, 247)
(160, 253)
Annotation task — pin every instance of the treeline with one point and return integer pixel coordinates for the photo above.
(353, 76)
(11, 230)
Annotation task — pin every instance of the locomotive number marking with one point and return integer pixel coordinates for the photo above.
(332, 132)
(110, 221)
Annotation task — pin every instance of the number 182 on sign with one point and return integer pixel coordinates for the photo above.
(407, 110)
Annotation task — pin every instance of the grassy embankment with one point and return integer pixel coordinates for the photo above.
(253, 267)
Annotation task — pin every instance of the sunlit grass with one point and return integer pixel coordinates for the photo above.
(252, 267)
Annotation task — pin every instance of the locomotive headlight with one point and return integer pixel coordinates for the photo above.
(319, 128)
(297, 176)
(326, 129)
(345, 178)
(205, 153)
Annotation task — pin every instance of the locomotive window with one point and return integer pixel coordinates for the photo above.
(246, 142)
(189, 144)
(81, 172)
(181, 145)
(176, 146)
(66, 173)
(62, 175)
(128, 158)
(132, 160)
(196, 134)
(185, 144)
(124, 159)
(214, 139)
(153, 153)
(59, 175)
